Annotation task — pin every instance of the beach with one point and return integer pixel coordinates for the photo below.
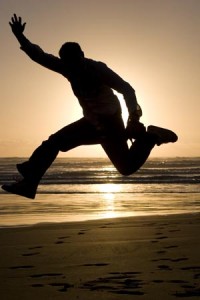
(92, 234)
(143, 257)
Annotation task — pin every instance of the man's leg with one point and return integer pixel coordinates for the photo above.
(141, 148)
(69, 137)
(128, 161)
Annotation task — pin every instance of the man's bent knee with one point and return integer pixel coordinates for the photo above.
(127, 171)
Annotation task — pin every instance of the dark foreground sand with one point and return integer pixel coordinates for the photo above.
(149, 258)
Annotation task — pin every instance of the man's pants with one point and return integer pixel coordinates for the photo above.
(112, 138)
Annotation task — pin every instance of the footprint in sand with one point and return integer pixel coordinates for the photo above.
(82, 231)
(161, 252)
(30, 254)
(194, 292)
(171, 259)
(192, 268)
(162, 237)
(61, 239)
(95, 265)
(122, 283)
(35, 247)
(46, 275)
(164, 268)
(170, 247)
(21, 267)
(63, 286)
(174, 230)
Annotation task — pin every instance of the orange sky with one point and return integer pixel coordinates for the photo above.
(152, 44)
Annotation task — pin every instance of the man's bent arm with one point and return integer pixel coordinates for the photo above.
(123, 87)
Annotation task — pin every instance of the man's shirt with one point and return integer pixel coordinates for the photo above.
(93, 83)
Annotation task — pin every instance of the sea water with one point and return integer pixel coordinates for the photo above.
(77, 189)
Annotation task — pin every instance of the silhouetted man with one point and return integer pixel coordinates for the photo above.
(92, 83)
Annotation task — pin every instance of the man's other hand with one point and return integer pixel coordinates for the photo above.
(135, 129)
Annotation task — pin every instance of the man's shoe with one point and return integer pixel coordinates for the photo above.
(163, 136)
(21, 188)
(22, 170)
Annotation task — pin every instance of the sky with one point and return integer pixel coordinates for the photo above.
(152, 44)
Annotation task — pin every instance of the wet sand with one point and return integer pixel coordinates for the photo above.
(152, 257)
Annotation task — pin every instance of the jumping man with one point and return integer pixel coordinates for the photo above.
(92, 83)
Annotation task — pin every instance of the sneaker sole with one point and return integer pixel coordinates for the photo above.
(172, 137)
(10, 189)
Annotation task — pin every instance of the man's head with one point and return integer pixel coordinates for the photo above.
(71, 52)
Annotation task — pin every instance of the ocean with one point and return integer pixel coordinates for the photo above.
(79, 189)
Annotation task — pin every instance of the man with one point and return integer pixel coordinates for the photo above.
(92, 83)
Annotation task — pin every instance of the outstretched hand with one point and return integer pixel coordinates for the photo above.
(16, 25)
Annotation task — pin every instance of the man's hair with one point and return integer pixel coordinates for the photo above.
(70, 50)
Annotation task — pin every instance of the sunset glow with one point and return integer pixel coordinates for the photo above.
(154, 45)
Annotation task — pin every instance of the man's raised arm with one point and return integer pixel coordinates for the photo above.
(33, 51)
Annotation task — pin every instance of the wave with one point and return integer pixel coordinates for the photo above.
(100, 171)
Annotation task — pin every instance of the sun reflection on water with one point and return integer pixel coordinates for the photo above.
(108, 190)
